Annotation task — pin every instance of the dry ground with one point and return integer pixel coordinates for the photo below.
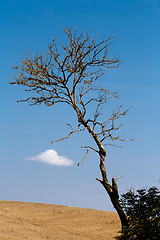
(20, 221)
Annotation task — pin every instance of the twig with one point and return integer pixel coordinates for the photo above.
(88, 147)
(85, 156)
(78, 130)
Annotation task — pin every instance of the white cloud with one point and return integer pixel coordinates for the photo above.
(51, 157)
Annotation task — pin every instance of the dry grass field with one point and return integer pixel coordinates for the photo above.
(20, 221)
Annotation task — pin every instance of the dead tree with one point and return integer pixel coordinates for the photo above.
(69, 76)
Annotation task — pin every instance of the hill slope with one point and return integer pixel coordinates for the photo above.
(19, 220)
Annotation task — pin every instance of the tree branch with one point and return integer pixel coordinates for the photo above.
(85, 156)
(73, 131)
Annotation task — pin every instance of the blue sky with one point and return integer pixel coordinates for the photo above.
(27, 131)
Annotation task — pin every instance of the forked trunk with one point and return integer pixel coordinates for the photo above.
(112, 191)
(115, 201)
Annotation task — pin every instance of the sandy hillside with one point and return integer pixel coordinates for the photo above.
(20, 221)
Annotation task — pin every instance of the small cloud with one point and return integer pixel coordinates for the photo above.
(51, 157)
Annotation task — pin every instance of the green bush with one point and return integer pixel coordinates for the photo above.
(143, 211)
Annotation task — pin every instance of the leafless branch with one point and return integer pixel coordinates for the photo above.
(73, 131)
(85, 156)
(88, 147)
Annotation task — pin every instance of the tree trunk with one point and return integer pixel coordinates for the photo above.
(115, 201)
(112, 191)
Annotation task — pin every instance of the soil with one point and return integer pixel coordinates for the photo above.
(20, 221)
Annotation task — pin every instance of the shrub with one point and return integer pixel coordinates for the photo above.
(143, 212)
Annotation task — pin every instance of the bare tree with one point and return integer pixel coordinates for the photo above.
(70, 77)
